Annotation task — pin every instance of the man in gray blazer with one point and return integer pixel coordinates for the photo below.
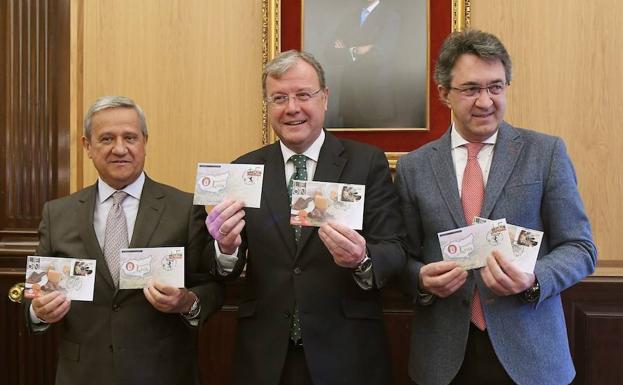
(517, 332)
(131, 337)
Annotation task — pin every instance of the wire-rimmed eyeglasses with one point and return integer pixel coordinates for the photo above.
(283, 99)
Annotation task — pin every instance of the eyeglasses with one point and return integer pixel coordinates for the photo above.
(301, 97)
(474, 91)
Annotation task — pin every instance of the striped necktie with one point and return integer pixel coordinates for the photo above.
(115, 235)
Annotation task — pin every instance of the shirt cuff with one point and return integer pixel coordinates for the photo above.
(225, 262)
(37, 324)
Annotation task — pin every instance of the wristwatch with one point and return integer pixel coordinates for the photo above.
(364, 265)
(532, 294)
(194, 309)
(424, 299)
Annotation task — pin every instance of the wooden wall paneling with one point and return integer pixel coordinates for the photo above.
(567, 58)
(593, 310)
(193, 65)
(216, 347)
(25, 359)
(594, 314)
(34, 115)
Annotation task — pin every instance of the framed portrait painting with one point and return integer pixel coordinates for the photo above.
(378, 57)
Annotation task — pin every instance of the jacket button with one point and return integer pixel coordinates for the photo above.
(297, 270)
(116, 307)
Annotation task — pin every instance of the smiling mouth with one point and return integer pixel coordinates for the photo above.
(486, 115)
(295, 122)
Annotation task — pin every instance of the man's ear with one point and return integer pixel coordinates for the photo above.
(326, 98)
(443, 95)
(86, 144)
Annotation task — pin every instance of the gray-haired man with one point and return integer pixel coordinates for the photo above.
(131, 337)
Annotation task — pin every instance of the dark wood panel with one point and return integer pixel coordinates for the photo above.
(594, 314)
(34, 113)
(25, 359)
(593, 309)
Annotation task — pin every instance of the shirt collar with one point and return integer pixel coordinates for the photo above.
(312, 152)
(134, 189)
(456, 140)
(371, 7)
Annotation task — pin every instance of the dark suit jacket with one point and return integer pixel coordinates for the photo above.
(532, 184)
(342, 325)
(366, 93)
(119, 338)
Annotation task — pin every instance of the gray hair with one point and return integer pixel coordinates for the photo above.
(482, 44)
(106, 102)
(286, 60)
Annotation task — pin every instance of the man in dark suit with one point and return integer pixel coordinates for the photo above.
(365, 44)
(311, 310)
(125, 336)
(494, 325)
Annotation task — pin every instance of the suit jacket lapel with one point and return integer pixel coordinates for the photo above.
(85, 211)
(150, 210)
(445, 175)
(508, 147)
(275, 195)
(331, 162)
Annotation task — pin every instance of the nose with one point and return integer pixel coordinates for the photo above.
(292, 106)
(484, 99)
(119, 147)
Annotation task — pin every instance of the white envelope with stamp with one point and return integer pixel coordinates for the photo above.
(73, 277)
(315, 203)
(471, 245)
(526, 244)
(162, 264)
(216, 182)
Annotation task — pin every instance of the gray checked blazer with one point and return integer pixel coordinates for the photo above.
(532, 184)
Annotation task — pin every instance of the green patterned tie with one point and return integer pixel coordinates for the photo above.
(300, 173)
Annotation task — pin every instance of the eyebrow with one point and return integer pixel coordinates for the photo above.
(472, 83)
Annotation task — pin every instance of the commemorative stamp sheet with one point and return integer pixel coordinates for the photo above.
(162, 264)
(526, 244)
(469, 246)
(73, 277)
(217, 181)
(315, 203)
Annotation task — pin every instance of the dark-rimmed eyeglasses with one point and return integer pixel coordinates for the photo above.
(495, 89)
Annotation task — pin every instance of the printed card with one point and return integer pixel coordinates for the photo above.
(73, 277)
(162, 264)
(217, 181)
(315, 203)
(526, 244)
(470, 246)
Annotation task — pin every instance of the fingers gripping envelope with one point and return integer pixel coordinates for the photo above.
(216, 182)
(315, 203)
(73, 277)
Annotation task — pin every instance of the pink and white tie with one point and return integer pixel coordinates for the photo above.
(472, 198)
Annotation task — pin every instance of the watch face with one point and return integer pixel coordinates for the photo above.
(425, 299)
(364, 265)
(532, 294)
